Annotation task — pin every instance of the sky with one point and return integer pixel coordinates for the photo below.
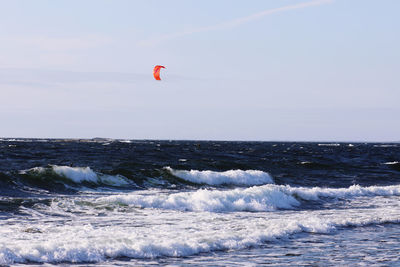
(260, 70)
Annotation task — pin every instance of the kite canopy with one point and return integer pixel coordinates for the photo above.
(156, 72)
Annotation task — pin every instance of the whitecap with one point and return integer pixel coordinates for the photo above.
(257, 198)
(388, 145)
(334, 144)
(233, 177)
(391, 163)
(81, 174)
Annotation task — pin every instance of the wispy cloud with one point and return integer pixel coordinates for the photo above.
(233, 23)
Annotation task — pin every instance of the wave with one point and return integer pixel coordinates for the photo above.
(329, 144)
(125, 141)
(386, 145)
(97, 244)
(395, 165)
(256, 199)
(316, 193)
(231, 177)
(76, 175)
(249, 199)
(68, 179)
(391, 163)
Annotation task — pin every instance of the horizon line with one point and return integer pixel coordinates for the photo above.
(191, 140)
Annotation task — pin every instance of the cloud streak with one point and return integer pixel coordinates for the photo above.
(233, 23)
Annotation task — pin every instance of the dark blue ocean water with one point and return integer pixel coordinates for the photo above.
(125, 202)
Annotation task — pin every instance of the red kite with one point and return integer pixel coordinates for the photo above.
(156, 72)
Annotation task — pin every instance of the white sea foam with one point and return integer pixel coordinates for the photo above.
(77, 174)
(391, 163)
(256, 198)
(333, 144)
(125, 141)
(141, 235)
(316, 193)
(249, 199)
(386, 145)
(233, 177)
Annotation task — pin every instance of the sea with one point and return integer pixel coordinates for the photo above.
(105, 202)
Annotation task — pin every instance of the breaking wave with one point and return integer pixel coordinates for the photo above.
(92, 244)
(231, 177)
(395, 165)
(76, 175)
(249, 199)
(316, 193)
(57, 178)
(256, 199)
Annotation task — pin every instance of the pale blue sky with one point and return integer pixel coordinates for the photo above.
(235, 70)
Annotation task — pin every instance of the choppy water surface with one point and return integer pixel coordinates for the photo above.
(122, 202)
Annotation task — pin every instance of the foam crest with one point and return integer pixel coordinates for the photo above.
(250, 199)
(233, 177)
(329, 144)
(316, 193)
(256, 198)
(80, 174)
(77, 174)
(391, 163)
